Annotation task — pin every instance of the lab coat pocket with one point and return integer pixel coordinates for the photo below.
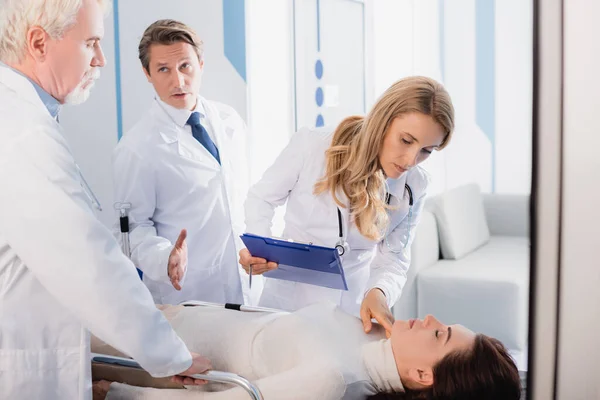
(28, 374)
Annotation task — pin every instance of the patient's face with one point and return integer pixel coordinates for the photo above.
(420, 344)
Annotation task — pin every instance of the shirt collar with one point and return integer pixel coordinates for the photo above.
(396, 187)
(180, 116)
(51, 104)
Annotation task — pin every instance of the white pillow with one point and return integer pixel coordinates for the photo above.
(461, 220)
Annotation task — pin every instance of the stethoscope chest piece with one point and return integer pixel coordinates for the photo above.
(342, 248)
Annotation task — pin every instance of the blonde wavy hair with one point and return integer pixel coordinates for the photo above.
(352, 159)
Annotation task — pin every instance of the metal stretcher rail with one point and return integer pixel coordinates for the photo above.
(211, 376)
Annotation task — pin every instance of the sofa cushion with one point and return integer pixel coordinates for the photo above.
(461, 220)
(486, 291)
(424, 252)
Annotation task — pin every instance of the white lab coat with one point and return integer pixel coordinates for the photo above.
(173, 182)
(311, 218)
(61, 270)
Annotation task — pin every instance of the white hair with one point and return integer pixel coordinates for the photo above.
(18, 16)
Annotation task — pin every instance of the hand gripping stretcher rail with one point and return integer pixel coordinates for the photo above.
(211, 376)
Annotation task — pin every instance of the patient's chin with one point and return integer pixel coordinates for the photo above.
(414, 386)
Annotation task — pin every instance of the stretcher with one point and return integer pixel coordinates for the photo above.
(110, 367)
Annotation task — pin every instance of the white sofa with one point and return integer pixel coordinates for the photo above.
(470, 264)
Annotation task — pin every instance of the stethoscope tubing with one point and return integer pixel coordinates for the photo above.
(342, 246)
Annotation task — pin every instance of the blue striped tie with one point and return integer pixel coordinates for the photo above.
(201, 135)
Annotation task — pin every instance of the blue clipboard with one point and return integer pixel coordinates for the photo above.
(299, 262)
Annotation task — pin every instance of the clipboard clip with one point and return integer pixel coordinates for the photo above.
(291, 240)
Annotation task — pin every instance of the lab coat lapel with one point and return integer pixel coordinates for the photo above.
(171, 135)
(400, 201)
(223, 137)
(22, 88)
(166, 127)
(222, 132)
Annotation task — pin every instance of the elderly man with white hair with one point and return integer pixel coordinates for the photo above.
(61, 271)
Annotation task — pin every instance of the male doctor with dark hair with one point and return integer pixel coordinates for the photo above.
(183, 169)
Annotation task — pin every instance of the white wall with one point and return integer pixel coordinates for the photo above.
(92, 127)
(271, 106)
(514, 95)
(329, 31)
(282, 83)
(437, 38)
(270, 57)
(468, 157)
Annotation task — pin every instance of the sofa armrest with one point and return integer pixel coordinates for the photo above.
(425, 251)
(507, 215)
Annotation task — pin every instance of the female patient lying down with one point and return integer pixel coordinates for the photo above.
(320, 352)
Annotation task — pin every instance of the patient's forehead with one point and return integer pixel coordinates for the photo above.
(461, 336)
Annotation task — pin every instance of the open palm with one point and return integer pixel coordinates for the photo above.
(178, 260)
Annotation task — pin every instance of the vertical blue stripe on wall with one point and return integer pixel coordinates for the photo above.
(442, 28)
(118, 82)
(234, 34)
(485, 74)
(118, 69)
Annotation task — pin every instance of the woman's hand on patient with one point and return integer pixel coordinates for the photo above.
(259, 265)
(100, 389)
(178, 260)
(200, 365)
(375, 306)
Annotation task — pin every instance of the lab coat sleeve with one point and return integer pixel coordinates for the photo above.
(242, 178)
(273, 189)
(389, 267)
(237, 193)
(45, 218)
(134, 183)
(307, 381)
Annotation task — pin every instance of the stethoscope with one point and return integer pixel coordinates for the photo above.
(342, 245)
(88, 190)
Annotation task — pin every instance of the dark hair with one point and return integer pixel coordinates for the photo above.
(167, 31)
(484, 372)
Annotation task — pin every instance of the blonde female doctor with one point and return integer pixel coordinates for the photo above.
(358, 188)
